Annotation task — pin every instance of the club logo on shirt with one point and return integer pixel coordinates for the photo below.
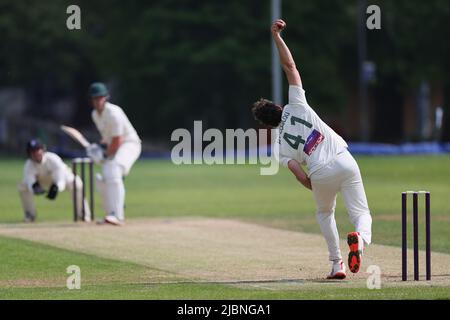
(314, 139)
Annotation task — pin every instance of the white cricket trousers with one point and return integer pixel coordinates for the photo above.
(110, 185)
(341, 175)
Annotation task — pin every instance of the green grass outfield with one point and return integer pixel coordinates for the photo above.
(160, 189)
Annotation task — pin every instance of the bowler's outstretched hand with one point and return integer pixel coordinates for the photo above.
(278, 26)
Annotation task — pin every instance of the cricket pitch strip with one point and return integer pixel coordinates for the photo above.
(224, 251)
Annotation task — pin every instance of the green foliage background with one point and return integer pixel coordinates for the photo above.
(171, 62)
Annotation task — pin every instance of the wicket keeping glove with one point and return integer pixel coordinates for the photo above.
(53, 192)
(37, 189)
(95, 152)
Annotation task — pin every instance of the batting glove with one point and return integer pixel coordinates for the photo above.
(95, 152)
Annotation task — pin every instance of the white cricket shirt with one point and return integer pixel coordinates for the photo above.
(51, 166)
(113, 122)
(304, 137)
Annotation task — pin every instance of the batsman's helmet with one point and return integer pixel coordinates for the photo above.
(33, 145)
(98, 89)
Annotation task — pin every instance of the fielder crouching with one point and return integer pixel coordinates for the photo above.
(46, 173)
(123, 148)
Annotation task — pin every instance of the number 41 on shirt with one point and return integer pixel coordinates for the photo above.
(312, 141)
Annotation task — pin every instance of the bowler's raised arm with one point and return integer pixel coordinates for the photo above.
(286, 59)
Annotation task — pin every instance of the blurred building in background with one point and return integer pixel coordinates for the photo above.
(169, 63)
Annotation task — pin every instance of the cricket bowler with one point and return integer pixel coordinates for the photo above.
(304, 139)
(123, 147)
(46, 173)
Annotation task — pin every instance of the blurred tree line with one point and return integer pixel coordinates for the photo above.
(170, 62)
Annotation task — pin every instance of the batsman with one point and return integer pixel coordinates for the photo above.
(304, 139)
(118, 150)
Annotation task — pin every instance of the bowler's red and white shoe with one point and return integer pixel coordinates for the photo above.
(338, 270)
(356, 245)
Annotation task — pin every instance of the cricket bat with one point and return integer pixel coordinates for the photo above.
(75, 135)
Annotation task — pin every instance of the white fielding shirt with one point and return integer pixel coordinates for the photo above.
(113, 122)
(304, 137)
(51, 166)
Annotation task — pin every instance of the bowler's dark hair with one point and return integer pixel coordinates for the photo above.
(267, 112)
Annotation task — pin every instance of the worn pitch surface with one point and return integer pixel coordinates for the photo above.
(221, 250)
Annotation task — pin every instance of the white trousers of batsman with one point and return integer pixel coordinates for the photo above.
(110, 184)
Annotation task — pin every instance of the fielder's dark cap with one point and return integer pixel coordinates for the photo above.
(33, 145)
(98, 89)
